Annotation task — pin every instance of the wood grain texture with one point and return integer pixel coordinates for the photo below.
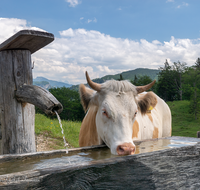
(40, 97)
(177, 168)
(27, 40)
(17, 119)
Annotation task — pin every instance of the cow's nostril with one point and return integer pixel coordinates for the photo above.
(126, 149)
(120, 150)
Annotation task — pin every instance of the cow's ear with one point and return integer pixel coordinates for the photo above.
(87, 96)
(147, 102)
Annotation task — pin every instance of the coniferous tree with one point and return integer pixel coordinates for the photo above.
(166, 86)
(135, 81)
(179, 69)
(192, 79)
(120, 77)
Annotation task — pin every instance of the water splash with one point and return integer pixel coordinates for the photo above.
(62, 131)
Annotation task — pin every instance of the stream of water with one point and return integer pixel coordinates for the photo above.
(62, 131)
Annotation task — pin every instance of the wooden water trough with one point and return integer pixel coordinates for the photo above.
(175, 165)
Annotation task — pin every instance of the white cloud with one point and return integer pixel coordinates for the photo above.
(94, 20)
(67, 33)
(183, 5)
(75, 51)
(10, 26)
(91, 20)
(169, 1)
(73, 3)
(103, 54)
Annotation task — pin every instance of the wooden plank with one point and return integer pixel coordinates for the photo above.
(27, 39)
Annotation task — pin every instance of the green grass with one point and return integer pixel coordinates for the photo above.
(51, 128)
(183, 123)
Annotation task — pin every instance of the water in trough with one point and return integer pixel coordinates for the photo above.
(81, 157)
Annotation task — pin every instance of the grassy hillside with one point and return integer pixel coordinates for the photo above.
(183, 124)
(128, 75)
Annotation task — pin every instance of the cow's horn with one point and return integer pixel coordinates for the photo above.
(141, 89)
(93, 85)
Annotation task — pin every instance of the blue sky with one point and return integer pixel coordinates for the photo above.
(105, 36)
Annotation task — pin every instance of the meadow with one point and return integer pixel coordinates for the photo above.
(183, 124)
(51, 128)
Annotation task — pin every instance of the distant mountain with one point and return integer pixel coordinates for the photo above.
(47, 84)
(127, 75)
(130, 75)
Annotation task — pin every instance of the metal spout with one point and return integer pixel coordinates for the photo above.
(39, 97)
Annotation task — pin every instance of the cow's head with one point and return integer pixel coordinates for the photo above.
(117, 108)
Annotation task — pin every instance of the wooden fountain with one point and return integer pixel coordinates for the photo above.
(17, 94)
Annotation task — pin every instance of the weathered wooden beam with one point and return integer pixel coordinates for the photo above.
(39, 97)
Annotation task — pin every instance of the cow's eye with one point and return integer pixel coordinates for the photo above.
(135, 115)
(104, 112)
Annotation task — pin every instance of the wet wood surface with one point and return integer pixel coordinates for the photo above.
(177, 168)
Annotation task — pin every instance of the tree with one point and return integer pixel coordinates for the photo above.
(70, 100)
(72, 108)
(135, 81)
(179, 69)
(142, 80)
(192, 81)
(195, 102)
(120, 77)
(166, 86)
(170, 81)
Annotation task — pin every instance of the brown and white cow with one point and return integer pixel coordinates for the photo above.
(119, 113)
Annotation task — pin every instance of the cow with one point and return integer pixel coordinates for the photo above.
(119, 113)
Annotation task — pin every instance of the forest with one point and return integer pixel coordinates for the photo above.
(175, 82)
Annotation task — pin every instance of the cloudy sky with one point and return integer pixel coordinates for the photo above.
(105, 36)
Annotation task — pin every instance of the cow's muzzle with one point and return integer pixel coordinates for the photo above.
(126, 149)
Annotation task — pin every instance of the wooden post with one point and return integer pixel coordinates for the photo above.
(198, 134)
(17, 118)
